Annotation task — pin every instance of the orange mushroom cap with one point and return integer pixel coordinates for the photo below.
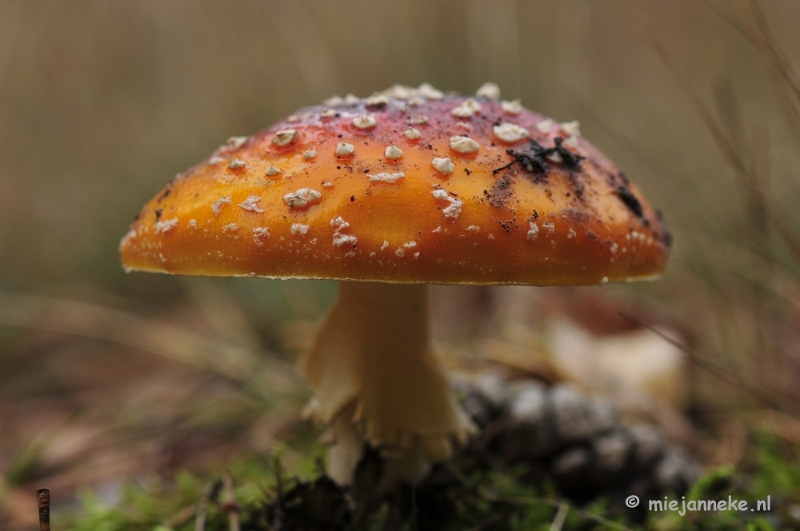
(408, 185)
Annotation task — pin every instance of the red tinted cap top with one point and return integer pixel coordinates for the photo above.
(408, 185)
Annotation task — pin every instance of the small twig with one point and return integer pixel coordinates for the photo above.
(211, 492)
(561, 517)
(495, 428)
(181, 517)
(557, 504)
(44, 509)
(229, 504)
(201, 514)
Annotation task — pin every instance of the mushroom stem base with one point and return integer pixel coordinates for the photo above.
(376, 377)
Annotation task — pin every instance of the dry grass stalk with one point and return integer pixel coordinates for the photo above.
(238, 365)
(43, 495)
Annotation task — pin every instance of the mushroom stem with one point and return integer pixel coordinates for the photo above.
(377, 379)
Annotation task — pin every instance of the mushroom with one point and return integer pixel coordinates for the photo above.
(485, 197)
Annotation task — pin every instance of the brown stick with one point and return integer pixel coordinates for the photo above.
(43, 495)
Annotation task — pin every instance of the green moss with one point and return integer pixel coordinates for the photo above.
(774, 477)
(495, 500)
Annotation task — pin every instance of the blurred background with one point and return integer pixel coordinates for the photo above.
(107, 376)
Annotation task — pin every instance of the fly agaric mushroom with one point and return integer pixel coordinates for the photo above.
(388, 194)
